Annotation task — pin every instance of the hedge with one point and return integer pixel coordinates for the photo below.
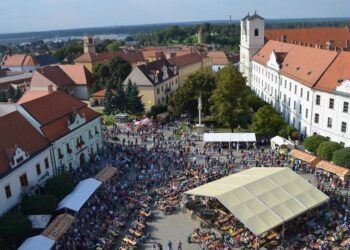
(14, 227)
(311, 143)
(326, 149)
(60, 186)
(39, 204)
(341, 157)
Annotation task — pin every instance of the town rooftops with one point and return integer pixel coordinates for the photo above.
(185, 60)
(16, 131)
(18, 60)
(133, 57)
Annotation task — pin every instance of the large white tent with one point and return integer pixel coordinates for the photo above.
(81, 193)
(229, 137)
(279, 141)
(38, 242)
(263, 198)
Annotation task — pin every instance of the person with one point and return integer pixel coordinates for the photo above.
(170, 245)
(160, 246)
(179, 245)
(154, 246)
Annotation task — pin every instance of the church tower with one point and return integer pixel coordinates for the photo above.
(89, 45)
(252, 40)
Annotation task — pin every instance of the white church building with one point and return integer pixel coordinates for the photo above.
(308, 85)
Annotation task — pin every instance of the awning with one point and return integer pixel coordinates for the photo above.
(229, 137)
(106, 174)
(81, 193)
(279, 141)
(263, 198)
(59, 226)
(334, 169)
(39, 242)
(301, 155)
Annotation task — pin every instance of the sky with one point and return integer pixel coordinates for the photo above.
(43, 15)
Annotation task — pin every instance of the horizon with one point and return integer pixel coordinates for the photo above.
(77, 14)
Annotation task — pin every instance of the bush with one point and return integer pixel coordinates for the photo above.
(60, 186)
(311, 143)
(341, 157)
(39, 204)
(288, 131)
(14, 227)
(326, 149)
(108, 120)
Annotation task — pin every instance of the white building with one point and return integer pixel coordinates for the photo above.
(308, 86)
(25, 160)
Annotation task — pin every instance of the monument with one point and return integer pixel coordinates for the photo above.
(200, 126)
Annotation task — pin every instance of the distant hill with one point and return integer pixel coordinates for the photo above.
(148, 28)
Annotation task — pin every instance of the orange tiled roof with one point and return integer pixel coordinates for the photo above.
(16, 130)
(132, 57)
(19, 60)
(311, 36)
(185, 60)
(218, 57)
(32, 95)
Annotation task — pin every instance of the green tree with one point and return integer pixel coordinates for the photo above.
(326, 149)
(311, 143)
(113, 46)
(120, 99)
(39, 204)
(341, 157)
(14, 227)
(156, 110)
(134, 102)
(11, 93)
(287, 131)
(108, 102)
(267, 122)
(254, 102)
(229, 98)
(60, 185)
(185, 99)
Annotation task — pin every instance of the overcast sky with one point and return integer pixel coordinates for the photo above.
(39, 15)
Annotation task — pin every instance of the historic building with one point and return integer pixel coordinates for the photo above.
(309, 86)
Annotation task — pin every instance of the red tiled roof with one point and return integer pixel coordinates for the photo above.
(338, 71)
(218, 57)
(311, 36)
(32, 95)
(19, 60)
(132, 57)
(101, 93)
(185, 60)
(16, 130)
(78, 73)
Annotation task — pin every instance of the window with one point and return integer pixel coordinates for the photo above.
(307, 95)
(256, 32)
(317, 118)
(301, 92)
(294, 105)
(345, 107)
(289, 101)
(47, 165)
(343, 127)
(290, 86)
(300, 109)
(285, 84)
(23, 180)
(295, 89)
(284, 98)
(329, 122)
(331, 103)
(38, 169)
(306, 113)
(318, 99)
(8, 191)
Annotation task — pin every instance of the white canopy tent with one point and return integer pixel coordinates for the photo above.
(279, 141)
(229, 137)
(38, 242)
(81, 193)
(263, 198)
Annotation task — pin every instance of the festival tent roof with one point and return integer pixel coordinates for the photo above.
(301, 155)
(81, 193)
(263, 198)
(106, 174)
(38, 242)
(279, 141)
(332, 168)
(229, 137)
(59, 226)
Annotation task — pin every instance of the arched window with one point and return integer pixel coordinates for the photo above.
(256, 32)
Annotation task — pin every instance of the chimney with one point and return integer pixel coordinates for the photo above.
(330, 45)
(50, 89)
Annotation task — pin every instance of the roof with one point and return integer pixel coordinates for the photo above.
(311, 36)
(218, 57)
(59, 226)
(303, 64)
(155, 68)
(337, 72)
(304, 156)
(255, 16)
(334, 169)
(132, 57)
(81, 193)
(78, 73)
(185, 60)
(16, 130)
(32, 95)
(263, 198)
(53, 111)
(229, 137)
(38, 242)
(16, 78)
(99, 94)
(19, 60)
(106, 174)
(46, 59)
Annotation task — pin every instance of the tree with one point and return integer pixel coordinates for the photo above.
(11, 92)
(311, 143)
(39, 204)
(120, 99)
(267, 122)
(14, 227)
(254, 102)
(113, 46)
(288, 131)
(326, 149)
(341, 157)
(134, 102)
(229, 98)
(156, 110)
(185, 99)
(60, 185)
(108, 102)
